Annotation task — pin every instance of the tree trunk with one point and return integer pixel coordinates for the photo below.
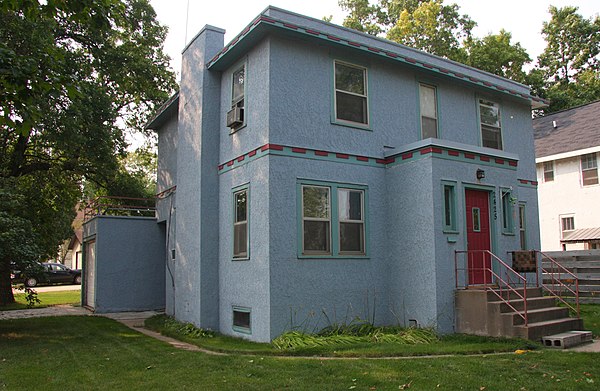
(6, 293)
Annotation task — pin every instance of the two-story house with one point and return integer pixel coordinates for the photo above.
(567, 145)
(312, 174)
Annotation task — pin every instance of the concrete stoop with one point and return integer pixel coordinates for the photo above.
(482, 312)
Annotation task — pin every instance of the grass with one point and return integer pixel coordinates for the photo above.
(94, 353)
(47, 299)
(591, 318)
(451, 344)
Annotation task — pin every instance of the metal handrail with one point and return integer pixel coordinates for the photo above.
(498, 280)
(559, 281)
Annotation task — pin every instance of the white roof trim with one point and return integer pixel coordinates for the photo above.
(566, 155)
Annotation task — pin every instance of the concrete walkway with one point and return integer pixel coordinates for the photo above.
(135, 321)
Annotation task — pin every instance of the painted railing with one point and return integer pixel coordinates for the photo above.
(498, 277)
(118, 206)
(563, 284)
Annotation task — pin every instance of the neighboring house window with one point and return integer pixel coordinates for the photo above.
(589, 169)
(507, 211)
(522, 227)
(241, 319)
(449, 190)
(568, 224)
(351, 103)
(548, 171)
(333, 220)
(238, 94)
(491, 131)
(352, 223)
(428, 104)
(240, 224)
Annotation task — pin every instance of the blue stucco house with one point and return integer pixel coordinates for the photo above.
(309, 174)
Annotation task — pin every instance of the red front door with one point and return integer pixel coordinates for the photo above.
(478, 236)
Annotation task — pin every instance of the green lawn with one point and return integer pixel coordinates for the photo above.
(591, 317)
(93, 353)
(46, 299)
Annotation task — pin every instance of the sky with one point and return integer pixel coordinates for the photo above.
(523, 18)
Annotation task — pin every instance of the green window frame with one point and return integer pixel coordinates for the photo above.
(490, 124)
(507, 201)
(241, 319)
(428, 110)
(522, 227)
(241, 220)
(238, 93)
(350, 94)
(449, 207)
(332, 220)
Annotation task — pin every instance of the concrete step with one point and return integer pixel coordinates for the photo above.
(513, 294)
(532, 304)
(567, 339)
(535, 331)
(539, 315)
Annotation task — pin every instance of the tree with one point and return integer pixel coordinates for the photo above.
(74, 76)
(495, 53)
(568, 69)
(426, 25)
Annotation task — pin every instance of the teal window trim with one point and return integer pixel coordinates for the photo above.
(241, 329)
(436, 106)
(240, 65)
(235, 191)
(347, 123)
(334, 219)
(507, 204)
(485, 101)
(523, 225)
(449, 207)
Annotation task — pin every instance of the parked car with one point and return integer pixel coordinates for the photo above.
(52, 273)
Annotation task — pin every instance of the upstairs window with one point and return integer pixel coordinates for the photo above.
(548, 171)
(428, 104)
(240, 224)
(491, 130)
(351, 103)
(589, 169)
(236, 117)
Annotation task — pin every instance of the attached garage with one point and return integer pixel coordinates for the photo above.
(123, 267)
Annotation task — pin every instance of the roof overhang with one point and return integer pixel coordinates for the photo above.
(581, 235)
(164, 112)
(567, 155)
(287, 23)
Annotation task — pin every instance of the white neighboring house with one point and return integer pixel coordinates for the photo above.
(567, 146)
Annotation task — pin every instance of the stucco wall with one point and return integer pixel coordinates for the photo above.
(130, 253)
(566, 197)
(167, 164)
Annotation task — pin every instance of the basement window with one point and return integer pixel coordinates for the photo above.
(241, 320)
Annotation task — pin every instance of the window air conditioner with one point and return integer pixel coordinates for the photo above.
(235, 117)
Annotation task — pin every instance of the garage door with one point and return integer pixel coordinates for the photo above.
(89, 281)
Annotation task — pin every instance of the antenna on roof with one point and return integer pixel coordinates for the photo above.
(187, 17)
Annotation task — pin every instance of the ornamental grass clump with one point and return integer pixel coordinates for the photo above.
(187, 329)
(354, 334)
